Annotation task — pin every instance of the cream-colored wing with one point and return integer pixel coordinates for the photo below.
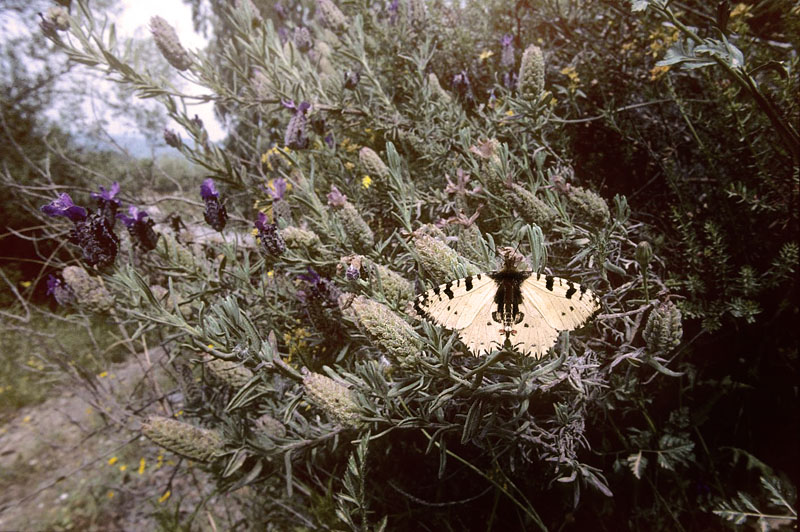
(483, 334)
(456, 304)
(547, 310)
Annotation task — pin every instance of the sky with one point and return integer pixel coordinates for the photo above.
(134, 21)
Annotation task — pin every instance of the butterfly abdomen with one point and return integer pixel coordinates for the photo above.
(508, 296)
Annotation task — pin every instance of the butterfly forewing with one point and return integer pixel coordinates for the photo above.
(564, 305)
(456, 304)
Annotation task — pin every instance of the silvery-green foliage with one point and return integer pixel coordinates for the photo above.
(319, 382)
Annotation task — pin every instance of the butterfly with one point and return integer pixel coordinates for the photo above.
(524, 308)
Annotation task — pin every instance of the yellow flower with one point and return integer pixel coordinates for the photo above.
(366, 181)
(658, 71)
(110, 494)
(210, 346)
(486, 54)
(25, 284)
(26, 419)
(741, 10)
(103, 375)
(271, 273)
(349, 165)
(510, 113)
(141, 466)
(112, 460)
(123, 468)
(165, 496)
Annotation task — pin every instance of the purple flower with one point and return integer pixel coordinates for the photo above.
(109, 195)
(63, 206)
(279, 185)
(317, 289)
(507, 56)
(271, 239)
(140, 227)
(329, 140)
(336, 198)
(352, 273)
(136, 216)
(215, 214)
(208, 190)
(283, 34)
(295, 137)
(53, 282)
(108, 203)
(510, 80)
(60, 291)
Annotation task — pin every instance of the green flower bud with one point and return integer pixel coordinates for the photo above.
(663, 331)
(333, 398)
(529, 207)
(331, 15)
(385, 329)
(373, 165)
(90, 292)
(469, 243)
(491, 166)
(299, 238)
(178, 255)
(357, 230)
(436, 89)
(234, 374)
(531, 73)
(168, 43)
(644, 252)
(58, 18)
(182, 438)
(270, 427)
(589, 205)
(437, 257)
(192, 392)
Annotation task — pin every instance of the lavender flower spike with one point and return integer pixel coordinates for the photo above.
(107, 203)
(215, 214)
(271, 239)
(140, 227)
(63, 206)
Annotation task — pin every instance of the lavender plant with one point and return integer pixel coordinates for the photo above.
(322, 392)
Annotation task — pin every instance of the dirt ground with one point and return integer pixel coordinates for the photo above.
(77, 461)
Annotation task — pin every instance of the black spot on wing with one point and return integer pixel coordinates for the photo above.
(571, 291)
(468, 282)
(420, 309)
(447, 291)
(549, 282)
